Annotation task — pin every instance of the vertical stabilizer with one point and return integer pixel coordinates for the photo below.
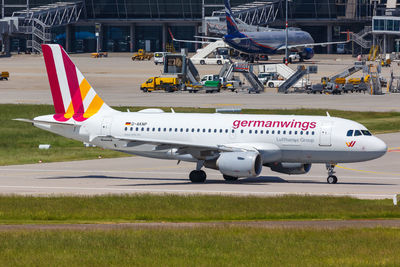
(73, 97)
(230, 21)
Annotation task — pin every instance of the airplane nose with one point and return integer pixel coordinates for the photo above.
(379, 147)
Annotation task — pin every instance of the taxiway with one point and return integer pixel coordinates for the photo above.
(376, 179)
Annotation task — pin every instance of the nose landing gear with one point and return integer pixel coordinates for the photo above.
(332, 179)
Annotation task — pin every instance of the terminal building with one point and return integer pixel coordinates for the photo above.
(129, 25)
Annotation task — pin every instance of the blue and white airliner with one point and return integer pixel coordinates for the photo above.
(265, 42)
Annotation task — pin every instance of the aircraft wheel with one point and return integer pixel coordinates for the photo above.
(332, 179)
(229, 178)
(197, 176)
(219, 62)
(271, 85)
(202, 62)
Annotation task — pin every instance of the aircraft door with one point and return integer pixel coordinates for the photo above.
(106, 126)
(325, 134)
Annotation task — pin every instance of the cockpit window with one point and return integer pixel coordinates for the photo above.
(357, 133)
(366, 132)
(350, 133)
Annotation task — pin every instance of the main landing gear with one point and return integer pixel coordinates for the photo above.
(198, 175)
(332, 179)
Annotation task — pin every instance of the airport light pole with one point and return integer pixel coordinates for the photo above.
(286, 39)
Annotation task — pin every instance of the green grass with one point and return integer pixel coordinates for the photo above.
(211, 246)
(19, 141)
(193, 208)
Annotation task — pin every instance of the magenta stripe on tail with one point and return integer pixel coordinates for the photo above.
(74, 89)
(53, 80)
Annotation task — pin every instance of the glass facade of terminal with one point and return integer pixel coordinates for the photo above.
(148, 20)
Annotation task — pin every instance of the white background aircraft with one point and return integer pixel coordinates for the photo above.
(237, 145)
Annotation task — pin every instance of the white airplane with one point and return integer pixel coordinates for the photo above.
(235, 144)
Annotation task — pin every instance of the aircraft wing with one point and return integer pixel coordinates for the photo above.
(208, 37)
(311, 45)
(187, 41)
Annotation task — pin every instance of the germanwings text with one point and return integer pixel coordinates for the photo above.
(303, 125)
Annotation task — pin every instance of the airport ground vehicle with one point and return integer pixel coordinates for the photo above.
(159, 57)
(168, 84)
(4, 75)
(265, 77)
(218, 59)
(99, 55)
(142, 55)
(274, 83)
(212, 86)
(238, 145)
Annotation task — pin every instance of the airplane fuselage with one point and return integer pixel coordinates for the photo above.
(278, 138)
(266, 42)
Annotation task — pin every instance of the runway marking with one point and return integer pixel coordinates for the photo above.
(374, 172)
(394, 149)
(213, 192)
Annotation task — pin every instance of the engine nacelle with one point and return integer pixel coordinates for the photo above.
(290, 168)
(237, 164)
(307, 53)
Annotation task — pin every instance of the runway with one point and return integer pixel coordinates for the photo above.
(376, 179)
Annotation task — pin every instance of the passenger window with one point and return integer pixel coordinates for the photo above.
(181, 129)
(295, 132)
(209, 130)
(215, 130)
(350, 133)
(255, 131)
(241, 131)
(312, 132)
(170, 129)
(165, 129)
(279, 132)
(267, 131)
(198, 130)
(159, 129)
(204, 130)
(142, 129)
(357, 133)
(261, 132)
(131, 129)
(187, 129)
(176, 129)
(365, 132)
(154, 129)
(226, 130)
(307, 133)
(220, 130)
(250, 131)
(273, 132)
(126, 128)
(192, 130)
(290, 132)
(137, 129)
(301, 132)
(284, 132)
(148, 129)
(233, 130)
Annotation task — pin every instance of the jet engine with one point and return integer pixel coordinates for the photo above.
(307, 53)
(290, 168)
(237, 164)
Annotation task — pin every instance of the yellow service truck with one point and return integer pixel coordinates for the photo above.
(168, 84)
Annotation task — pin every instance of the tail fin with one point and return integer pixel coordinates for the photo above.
(230, 21)
(73, 97)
